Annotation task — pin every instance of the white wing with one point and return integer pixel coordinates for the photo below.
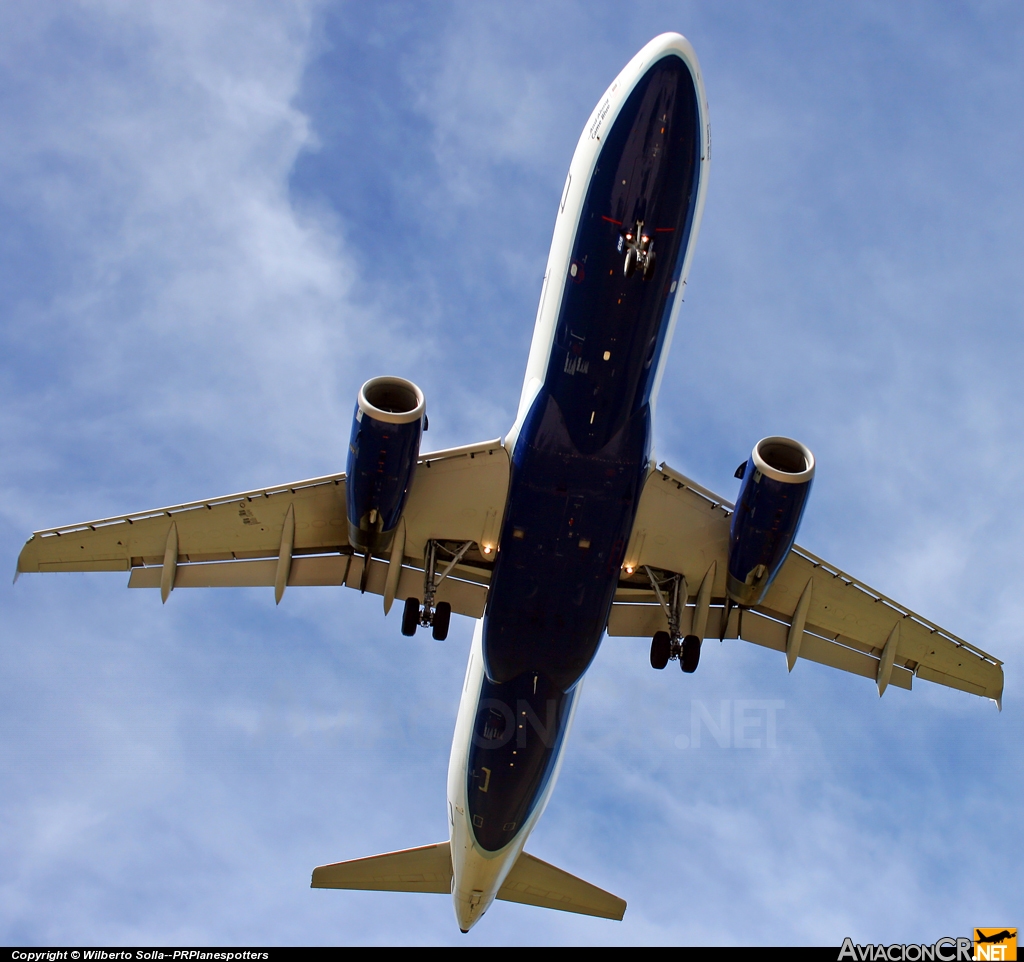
(296, 534)
(683, 528)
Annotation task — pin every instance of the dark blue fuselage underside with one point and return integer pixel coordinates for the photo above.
(582, 453)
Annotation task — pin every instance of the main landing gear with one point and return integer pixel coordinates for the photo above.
(437, 617)
(639, 251)
(663, 650)
(669, 645)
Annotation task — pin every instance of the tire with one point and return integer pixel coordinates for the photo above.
(410, 616)
(649, 266)
(630, 265)
(442, 618)
(691, 654)
(661, 647)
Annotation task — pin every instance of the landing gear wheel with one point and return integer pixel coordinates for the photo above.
(630, 265)
(691, 654)
(649, 266)
(442, 616)
(661, 647)
(410, 616)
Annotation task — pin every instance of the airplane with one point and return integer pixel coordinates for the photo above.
(994, 938)
(560, 533)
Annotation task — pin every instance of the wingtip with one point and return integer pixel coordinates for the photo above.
(17, 575)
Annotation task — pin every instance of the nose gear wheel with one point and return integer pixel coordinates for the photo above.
(639, 251)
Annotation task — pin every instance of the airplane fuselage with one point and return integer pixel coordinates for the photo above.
(580, 450)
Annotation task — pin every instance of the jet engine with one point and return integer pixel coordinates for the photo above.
(776, 482)
(386, 430)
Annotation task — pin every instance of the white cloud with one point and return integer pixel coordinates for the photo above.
(187, 298)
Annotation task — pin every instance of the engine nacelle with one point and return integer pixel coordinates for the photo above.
(382, 453)
(776, 482)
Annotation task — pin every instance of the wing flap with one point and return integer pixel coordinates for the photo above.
(768, 633)
(466, 598)
(424, 869)
(535, 882)
(641, 621)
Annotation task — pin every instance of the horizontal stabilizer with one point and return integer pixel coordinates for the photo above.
(429, 869)
(424, 869)
(534, 882)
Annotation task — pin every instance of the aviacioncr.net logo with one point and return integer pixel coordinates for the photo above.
(946, 949)
(995, 945)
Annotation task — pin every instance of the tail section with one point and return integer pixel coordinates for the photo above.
(534, 882)
(424, 869)
(429, 869)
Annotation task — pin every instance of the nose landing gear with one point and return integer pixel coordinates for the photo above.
(639, 251)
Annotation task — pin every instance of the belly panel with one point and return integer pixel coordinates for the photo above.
(566, 525)
(517, 736)
(582, 452)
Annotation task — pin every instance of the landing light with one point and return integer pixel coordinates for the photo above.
(488, 548)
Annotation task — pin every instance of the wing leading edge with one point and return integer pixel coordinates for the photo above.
(683, 528)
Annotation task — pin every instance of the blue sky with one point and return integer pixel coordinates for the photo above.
(218, 221)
